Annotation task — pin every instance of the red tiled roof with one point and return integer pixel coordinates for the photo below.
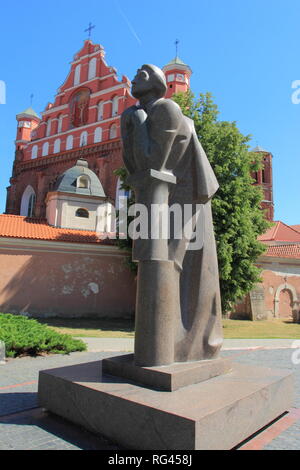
(284, 251)
(296, 227)
(280, 232)
(15, 226)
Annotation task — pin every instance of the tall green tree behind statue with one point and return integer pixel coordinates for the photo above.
(238, 219)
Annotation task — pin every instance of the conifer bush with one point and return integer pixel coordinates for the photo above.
(24, 336)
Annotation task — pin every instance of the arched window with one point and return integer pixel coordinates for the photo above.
(48, 129)
(98, 135)
(56, 146)
(100, 111)
(28, 202)
(34, 151)
(83, 182)
(83, 213)
(115, 106)
(31, 206)
(77, 75)
(113, 131)
(92, 68)
(83, 139)
(59, 125)
(45, 150)
(69, 144)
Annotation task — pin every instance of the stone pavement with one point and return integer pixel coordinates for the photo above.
(126, 344)
(25, 426)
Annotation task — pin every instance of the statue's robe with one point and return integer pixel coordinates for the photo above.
(165, 140)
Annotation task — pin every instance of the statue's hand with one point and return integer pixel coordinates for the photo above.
(127, 119)
(139, 116)
(132, 117)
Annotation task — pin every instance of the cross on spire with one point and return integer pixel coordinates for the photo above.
(89, 29)
(176, 46)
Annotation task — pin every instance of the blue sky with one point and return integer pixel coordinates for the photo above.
(246, 52)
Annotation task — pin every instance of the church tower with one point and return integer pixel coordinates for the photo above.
(178, 76)
(28, 120)
(264, 178)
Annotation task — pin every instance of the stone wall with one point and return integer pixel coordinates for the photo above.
(44, 279)
(278, 296)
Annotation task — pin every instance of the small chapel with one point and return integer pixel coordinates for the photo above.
(63, 186)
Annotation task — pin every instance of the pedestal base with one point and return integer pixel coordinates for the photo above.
(168, 378)
(216, 414)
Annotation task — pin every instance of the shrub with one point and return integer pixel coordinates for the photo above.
(22, 335)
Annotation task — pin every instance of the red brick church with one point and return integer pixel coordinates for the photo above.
(52, 262)
(63, 173)
(83, 122)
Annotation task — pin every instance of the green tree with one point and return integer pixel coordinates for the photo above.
(238, 218)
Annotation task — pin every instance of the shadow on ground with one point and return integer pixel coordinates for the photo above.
(42, 430)
(105, 324)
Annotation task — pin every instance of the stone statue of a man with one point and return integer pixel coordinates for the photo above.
(178, 310)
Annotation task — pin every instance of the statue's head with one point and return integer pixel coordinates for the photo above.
(149, 78)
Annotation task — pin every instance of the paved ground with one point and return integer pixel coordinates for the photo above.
(25, 426)
(126, 344)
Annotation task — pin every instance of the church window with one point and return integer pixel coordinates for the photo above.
(69, 144)
(83, 182)
(59, 126)
(28, 202)
(34, 152)
(171, 78)
(48, 129)
(98, 135)
(77, 75)
(83, 139)
(113, 132)
(100, 111)
(57, 146)
(92, 68)
(79, 107)
(115, 105)
(31, 204)
(45, 150)
(83, 213)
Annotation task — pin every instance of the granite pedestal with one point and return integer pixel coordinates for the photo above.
(218, 413)
(167, 378)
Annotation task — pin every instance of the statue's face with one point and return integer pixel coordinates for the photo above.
(141, 84)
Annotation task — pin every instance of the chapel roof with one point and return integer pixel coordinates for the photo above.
(16, 226)
(280, 232)
(30, 112)
(284, 251)
(258, 149)
(67, 182)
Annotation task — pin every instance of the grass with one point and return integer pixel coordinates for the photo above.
(124, 328)
(24, 336)
(271, 329)
(93, 328)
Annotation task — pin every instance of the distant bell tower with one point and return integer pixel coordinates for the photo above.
(178, 76)
(264, 178)
(28, 120)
